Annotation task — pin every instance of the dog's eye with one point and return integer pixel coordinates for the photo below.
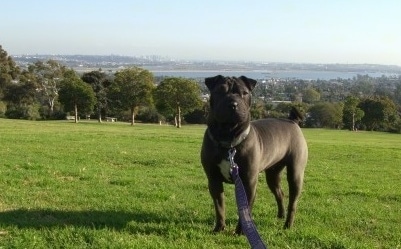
(244, 93)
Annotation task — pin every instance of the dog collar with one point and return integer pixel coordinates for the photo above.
(236, 141)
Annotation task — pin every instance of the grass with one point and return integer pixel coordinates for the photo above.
(110, 185)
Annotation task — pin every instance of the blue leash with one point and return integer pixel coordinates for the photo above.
(247, 225)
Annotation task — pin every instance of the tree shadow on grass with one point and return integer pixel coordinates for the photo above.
(142, 222)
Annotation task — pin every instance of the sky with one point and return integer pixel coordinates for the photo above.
(289, 31)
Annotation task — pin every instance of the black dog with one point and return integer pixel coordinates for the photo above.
(263, 145)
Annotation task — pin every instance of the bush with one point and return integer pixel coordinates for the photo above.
(30, 112)
(3, 109)
(395, 127)
(149, 115)
(195, 117)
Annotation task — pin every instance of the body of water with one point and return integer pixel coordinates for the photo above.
(299, 74)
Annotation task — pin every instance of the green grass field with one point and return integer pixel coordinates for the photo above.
(110, 185)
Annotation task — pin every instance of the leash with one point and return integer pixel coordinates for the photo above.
(247, 224)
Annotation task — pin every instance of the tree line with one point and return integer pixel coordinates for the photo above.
(360, 103)
(49, 90)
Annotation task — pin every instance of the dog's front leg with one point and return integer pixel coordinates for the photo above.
(216, 190)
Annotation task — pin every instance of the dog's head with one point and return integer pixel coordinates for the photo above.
(230, 102)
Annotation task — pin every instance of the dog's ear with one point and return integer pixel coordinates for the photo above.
(211, 82)
(250, 83)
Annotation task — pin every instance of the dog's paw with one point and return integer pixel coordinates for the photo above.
(238, 230)
(288, 224)
(219, 228)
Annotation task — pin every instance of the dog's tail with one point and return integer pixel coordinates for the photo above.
(295, 115)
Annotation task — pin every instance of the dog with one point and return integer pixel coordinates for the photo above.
(266, 145)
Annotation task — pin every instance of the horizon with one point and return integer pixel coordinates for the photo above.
(164, 58)
(341, 32)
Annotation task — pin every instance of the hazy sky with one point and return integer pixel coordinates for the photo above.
(311, 31)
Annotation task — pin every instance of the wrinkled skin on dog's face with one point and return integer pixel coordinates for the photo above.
(230, 101)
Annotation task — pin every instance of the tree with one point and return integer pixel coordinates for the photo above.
(352, 113)
(310, 95)
(380, 113)
(397, 92)
(363, 86)
(21, 101)
(328, 115)
(99, 83)
(132, 88)
(178, 96)
(76, 95)
(48, 76)
(258, 109)
(8, 70)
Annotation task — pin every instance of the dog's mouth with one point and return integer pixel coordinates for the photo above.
(226, 131)
(228, 126)
(230, 118)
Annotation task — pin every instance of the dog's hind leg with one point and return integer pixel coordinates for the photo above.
(273, 180)
(295, 176)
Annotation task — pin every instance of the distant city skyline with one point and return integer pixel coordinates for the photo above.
(288, 31)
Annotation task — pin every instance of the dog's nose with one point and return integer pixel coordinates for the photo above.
(234, 105)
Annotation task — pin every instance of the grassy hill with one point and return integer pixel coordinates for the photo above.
(110, 185)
